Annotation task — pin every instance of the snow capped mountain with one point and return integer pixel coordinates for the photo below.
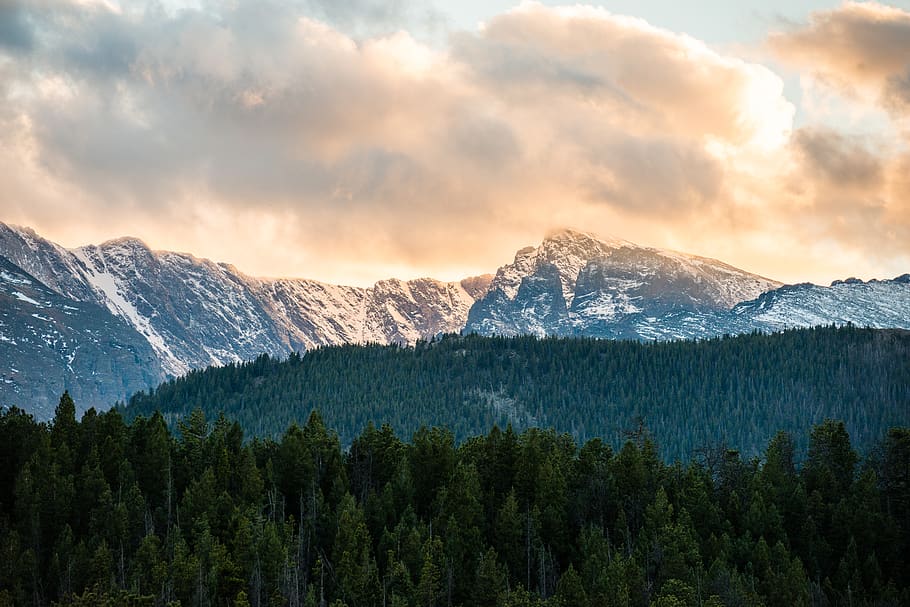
(106, 320)
(577, 284)
(193, 313)
(566, 250)
(308, 313)
(50, 343)
(50, 263)
(876, 303)
(400, 311)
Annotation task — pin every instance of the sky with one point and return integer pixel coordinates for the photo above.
(354, 140)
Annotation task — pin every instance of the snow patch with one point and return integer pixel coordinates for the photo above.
(26, 299)
(7, 277)
(107, 285)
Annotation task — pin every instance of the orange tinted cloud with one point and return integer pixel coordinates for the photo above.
(266, 137)
(857, 47)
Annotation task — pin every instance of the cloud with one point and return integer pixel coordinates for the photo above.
(627, 69)
(857, 47)
(851, 191)
(837, 159)
(375, 17)
(897, 92)
(15, 31)
(227, 129)
(844, 187)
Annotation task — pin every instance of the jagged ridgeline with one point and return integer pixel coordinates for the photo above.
(736, 390)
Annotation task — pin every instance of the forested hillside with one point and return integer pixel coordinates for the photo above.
(100, 512)
(690, 395)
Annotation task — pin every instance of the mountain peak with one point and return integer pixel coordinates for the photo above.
(577, 282)
(568, 249)
(129, 242)
(21, 230)
(572, 235)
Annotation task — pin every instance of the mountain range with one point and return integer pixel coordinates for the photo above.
(104, 321)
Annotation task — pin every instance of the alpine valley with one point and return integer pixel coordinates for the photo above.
(105, 321)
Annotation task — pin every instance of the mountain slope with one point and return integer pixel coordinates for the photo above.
(577, 284)
(398, 311)
(876, 303)
(50, 263)
(311, 313)
(52, 343)
(691, 394)
(194, 313)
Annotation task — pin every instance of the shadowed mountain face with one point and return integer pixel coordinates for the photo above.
(50, 343)
(166, 313)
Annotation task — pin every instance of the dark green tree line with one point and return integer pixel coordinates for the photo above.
(102, 512)
(691, 394)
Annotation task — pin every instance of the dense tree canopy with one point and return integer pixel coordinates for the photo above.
(101, 512)
(691, 395)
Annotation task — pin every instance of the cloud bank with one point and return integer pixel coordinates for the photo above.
(856, 185)
(860, 47)
(269, 135)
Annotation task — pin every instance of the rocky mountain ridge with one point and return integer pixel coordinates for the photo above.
(192, 313)
(575, 283)
(154, 314)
